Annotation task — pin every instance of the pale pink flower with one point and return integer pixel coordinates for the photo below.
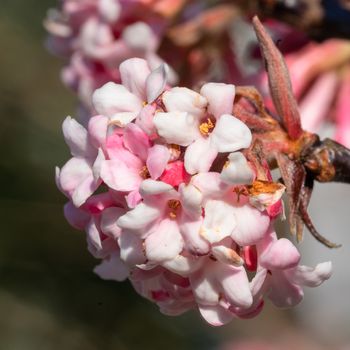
(80, 176)
(286, 278)
(182, 213)
(98, 35)
(203, 123)
(122, 103)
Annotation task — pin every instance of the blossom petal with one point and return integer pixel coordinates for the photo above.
(156, 82)
(230, 134)
(116, 150)
(205, 289)
(136, 141)
(252, 225)
(183, 265)
(157, 159)
(76, 217)
(215, 315)
(109, 219)
(114, 98)
(311, 277)
(139, 36)
(77, 180)
(122, 119)
(97, 128)
(199, 156)
(133, 198)
(236, 287)
(210, 185)
(96, 167)
(194, 242)
(145, 119)
(181, 99)
(118, 176)
(165, 243)
(77, 138)
(220, 98)
(131, 249)
(219, 221)
(151, 187)
(283, 293)
(112, 268)
(237, 171)
(139, 219)
(280, 254)
(109, 9)
(191, 200)
(179, 128)
(134, 73)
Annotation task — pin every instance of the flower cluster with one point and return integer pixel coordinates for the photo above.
(161, 182)
(97, 35)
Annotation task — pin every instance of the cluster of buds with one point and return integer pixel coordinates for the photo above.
(162, 183)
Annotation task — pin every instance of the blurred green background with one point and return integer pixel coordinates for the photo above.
(49, 297)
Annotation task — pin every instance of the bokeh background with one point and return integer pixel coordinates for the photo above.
(49, 296)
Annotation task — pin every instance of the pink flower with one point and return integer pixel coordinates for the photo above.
(132, 157)
(122, 103)
(286, 278)
(80, 176)
(202, 123)
(182, 213)
(98, 35)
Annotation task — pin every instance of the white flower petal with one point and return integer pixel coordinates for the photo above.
(112, 269)
(134, 73)
(179, 128)
(109, 219)
(215, 315)
(77, 138)
(109, 9)
(237, 170)
(220, 98)
(199, 156)
(181, 99)
(139, 36)
(183, 265)
(139, 219)
(131, 249)
(230, 134)
(156, 82)
(312, 277)
(219, 221)
(151, 187)
(114, 98)
(252, 225)
(165, 243)
(191, 200)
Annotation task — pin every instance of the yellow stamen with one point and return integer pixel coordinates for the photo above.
(174, 205)
(206, 127)
(240, 191)
(144, 173)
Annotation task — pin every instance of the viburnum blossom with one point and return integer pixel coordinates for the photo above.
(97, 35)
(180, 209)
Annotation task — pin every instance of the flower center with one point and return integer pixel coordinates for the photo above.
(174, 205)
(206, 127)
(144, 173)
